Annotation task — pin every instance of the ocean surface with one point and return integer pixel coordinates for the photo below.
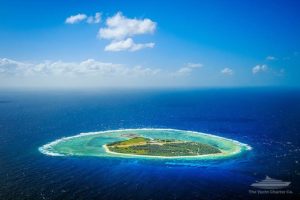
(268, 119)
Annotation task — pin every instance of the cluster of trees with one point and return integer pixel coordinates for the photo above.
(168, 149)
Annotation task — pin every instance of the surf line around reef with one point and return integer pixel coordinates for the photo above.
(235, 147)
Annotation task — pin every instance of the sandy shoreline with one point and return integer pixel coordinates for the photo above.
(233, 147)
(223, 154)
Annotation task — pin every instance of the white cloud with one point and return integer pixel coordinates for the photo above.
(87, 73)
(88, 67)
(187, 69)
(120, 30)
(194, 65)
(11, 67)
(119, 27)
(259, 68)
(227, 71)
(270, 58)
(184, 71)
(75, 18)
(142, 71)
(127, 44)
(94, 19)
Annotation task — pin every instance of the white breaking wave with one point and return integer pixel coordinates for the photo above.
(47, 149)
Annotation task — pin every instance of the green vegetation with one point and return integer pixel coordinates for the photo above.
(159, 147)
(168, 143)
(132, 141)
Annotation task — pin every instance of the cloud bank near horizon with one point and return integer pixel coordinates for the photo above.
(93, 73)
(87, 73)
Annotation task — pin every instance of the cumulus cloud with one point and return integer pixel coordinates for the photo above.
(227, 71)
(120, 30)
(127, 44)
(119, 27)
(187, 69)
(94, 19)
(75, 18)
(259, 68)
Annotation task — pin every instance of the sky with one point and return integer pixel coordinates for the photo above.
(170, 43)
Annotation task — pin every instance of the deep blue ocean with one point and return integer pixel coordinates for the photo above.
(268, 119)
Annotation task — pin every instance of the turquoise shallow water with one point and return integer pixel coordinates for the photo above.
(91, 144)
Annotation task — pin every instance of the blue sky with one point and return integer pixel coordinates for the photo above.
(171, 43)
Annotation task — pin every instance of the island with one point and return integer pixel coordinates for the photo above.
(147, 143)
(161, 147)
